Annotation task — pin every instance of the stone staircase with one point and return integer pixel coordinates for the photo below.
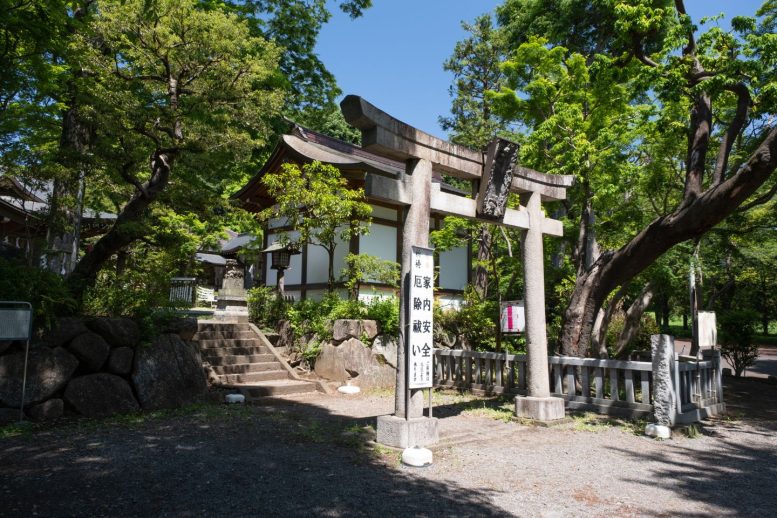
(244, 361)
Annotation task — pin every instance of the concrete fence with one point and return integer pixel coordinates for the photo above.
(613, 387)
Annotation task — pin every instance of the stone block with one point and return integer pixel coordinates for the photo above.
(100, 395)
(65, 330)
(120, 361)
(399, 432)
(539, 408)
(91, 349)
(48, 371)
(346, 328)
(47, 411)
(118, 332)
(386, 346)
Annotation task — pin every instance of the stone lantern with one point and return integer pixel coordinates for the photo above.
(281, 259)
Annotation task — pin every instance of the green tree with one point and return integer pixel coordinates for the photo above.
(604, 111)
(317, 202)
(178, 97)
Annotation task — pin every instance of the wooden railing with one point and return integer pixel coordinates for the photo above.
(605, 386)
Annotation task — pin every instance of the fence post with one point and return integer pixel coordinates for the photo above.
(664, 385)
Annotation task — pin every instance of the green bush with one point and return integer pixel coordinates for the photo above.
(265, 307)
(385, 311)
(476, 321)
(737, 329)
(641, 342)
(45, 290)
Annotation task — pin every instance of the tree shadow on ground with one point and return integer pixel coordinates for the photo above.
(279, 459)
(737, 478)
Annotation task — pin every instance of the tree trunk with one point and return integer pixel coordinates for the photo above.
(64, 219)
(603, 318)
(633, 317)
(694, 217)
(126, 229)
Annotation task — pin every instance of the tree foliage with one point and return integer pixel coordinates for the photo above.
(316, 201)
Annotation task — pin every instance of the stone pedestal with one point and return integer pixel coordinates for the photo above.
(539, 408)
(407, 433)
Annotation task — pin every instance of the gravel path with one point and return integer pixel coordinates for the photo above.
(312, 457)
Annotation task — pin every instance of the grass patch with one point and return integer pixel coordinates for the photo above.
(498, 409)
(595, 423)
(201, 412)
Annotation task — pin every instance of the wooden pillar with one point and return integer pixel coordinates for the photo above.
(415, 232)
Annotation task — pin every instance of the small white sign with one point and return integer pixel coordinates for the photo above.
(708, 330)
(420, 346)
(513, 317)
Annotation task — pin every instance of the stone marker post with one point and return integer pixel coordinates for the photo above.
(538, 404)
(407, 427)
(664, 398)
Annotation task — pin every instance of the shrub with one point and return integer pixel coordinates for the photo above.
(385, 311)
(641, 342)
(476, 321)
(45, 290)
(737, 328)
(265, 307)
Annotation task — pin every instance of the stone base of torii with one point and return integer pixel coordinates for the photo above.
(499, 175)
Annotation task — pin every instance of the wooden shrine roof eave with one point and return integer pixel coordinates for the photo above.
(296, 148)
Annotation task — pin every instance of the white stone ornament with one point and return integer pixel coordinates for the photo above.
(235, 398)
(417, 457)
(658, 431)
(349, 389)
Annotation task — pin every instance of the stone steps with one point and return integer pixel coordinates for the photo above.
(247, 368)
(221, 335)
(233, 359)
(243, 362)
(235, 351)
(231, 380)
(229, 342)
(286, 387)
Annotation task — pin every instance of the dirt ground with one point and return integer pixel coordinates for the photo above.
(312, 456)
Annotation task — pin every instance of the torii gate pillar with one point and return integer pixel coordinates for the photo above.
(539, 404)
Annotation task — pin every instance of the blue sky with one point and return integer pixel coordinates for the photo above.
(393, 55)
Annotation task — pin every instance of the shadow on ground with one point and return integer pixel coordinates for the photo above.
(280, 459)
(737, 478)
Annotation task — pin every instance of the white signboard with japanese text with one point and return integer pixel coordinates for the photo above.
(420, 337)
(708, 329)
(513, 317)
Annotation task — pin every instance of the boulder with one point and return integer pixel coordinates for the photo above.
(352, 360)
(386, 346)
(64, 331)
(47, 411)
(91, 349)
(100, 395)
(118, 332)
(167, 373)
(48, 371)
(285, 334)
(345, 328)
(186, 328)
(120, 361)
(9, 416)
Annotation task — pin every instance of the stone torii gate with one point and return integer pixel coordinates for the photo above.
(498, 175)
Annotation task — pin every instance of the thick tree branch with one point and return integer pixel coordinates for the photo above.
(737, 123)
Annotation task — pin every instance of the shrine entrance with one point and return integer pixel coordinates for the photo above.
(498, 174)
